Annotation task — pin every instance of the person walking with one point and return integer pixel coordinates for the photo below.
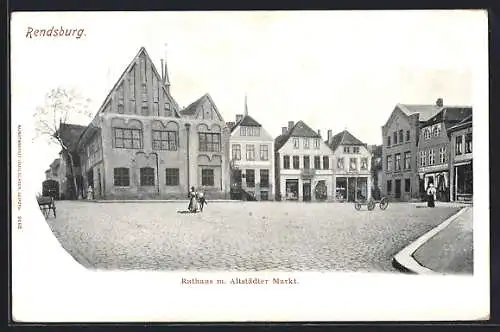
(431, 195)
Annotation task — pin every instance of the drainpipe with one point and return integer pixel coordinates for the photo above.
(188, 125)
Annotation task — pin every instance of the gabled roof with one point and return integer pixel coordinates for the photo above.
(344, 138)
(246, 121)
(193, 108)
(55, 163)
(466, 122)
(70, 134)
(425, 112)
(450, 116)
(300, 129)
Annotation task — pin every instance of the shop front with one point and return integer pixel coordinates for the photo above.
(463, 183)
(351, 189)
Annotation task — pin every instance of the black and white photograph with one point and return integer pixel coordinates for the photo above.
(250, 165)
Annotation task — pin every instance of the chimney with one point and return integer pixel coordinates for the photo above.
(319, 132)
(239, 117)
(329, 136)
(290, 125)
(439, 102)
(284, 130)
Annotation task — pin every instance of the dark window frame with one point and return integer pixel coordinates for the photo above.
(264, 178)
(250, 178)
(121, 180)
(172, 179)
(122, 138)
(170, 140)
(207, 180)
(209, 142)
(147, 180)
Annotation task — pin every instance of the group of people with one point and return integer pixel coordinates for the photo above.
(197, 201)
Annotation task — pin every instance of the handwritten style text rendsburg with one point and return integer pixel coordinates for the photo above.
(54, 32)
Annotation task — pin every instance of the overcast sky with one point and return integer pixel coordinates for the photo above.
(333, 70)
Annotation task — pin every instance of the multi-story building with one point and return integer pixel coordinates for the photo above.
(352, 167)
(141, 145)
(461, 160)
(434, 150)
(252, 160)
(400, 135)
(51, 184)
(303, 163)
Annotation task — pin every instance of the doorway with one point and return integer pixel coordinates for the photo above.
(306, 191)
(397, 190)
(90, 180)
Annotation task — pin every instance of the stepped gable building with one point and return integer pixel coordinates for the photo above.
(461, 180)
(352, 167)
(400, 136)
(434, 150)
(140, 145)
(252, 159)
(303, 164)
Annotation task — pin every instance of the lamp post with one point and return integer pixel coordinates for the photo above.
(188, 127)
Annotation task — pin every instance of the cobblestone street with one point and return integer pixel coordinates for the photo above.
(253, 236)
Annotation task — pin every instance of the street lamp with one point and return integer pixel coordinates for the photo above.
(188, 127)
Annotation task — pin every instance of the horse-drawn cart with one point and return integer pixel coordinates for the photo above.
(47, 203)
(383, 204)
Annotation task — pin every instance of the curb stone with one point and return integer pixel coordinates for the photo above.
(404, 260)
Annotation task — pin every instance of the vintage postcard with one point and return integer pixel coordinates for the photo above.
(250, 166)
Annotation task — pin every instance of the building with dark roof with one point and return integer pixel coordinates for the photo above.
(252, 159)
(352, 167)
(400, 136)
(141, 145)
(461, 179)
(303, 164)
(434, 150)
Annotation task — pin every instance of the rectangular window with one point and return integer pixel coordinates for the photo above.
(407, 185)
(395, 137)
(236, 152)
(295, 143)
(458, 145)
(121, 177)
(340, 163)
(401, 136)
(427, 133)
(326, 162)
(408, 160)
(407, 135)
(317, 162)
(389, 163)
(286, 162)
(432, 159)
(468, 143)
(207, 177)
(389, 187)
(250, 151)
(164, 140)
(147, 176)
(172, 176)
(347, 149)
(316, 143)
(209, 142)
(264, 195)
(353, 164)
(442, 155)
(355, 149)
(436, 130)
(388, 140)
(128, 138)
(264, 152)
(250, 178)
(306, 143)
(422, 158)
(397, 162)
(243, 131)
(307, 162)
(364, 164)
(264, 178)
(296, 162)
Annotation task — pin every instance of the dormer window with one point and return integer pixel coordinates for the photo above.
(436, 131)
(427, 133)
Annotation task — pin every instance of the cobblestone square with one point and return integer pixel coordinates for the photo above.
(243, 236)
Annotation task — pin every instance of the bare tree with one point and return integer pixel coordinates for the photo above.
(62, 106)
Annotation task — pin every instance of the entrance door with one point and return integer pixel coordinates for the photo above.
(397, 190)
(306, 191)
(99, 187)
(90, 180)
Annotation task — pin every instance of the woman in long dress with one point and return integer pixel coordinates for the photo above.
(193, 202)
(431, 195)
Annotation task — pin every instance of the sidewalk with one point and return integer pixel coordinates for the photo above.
(451, 250)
